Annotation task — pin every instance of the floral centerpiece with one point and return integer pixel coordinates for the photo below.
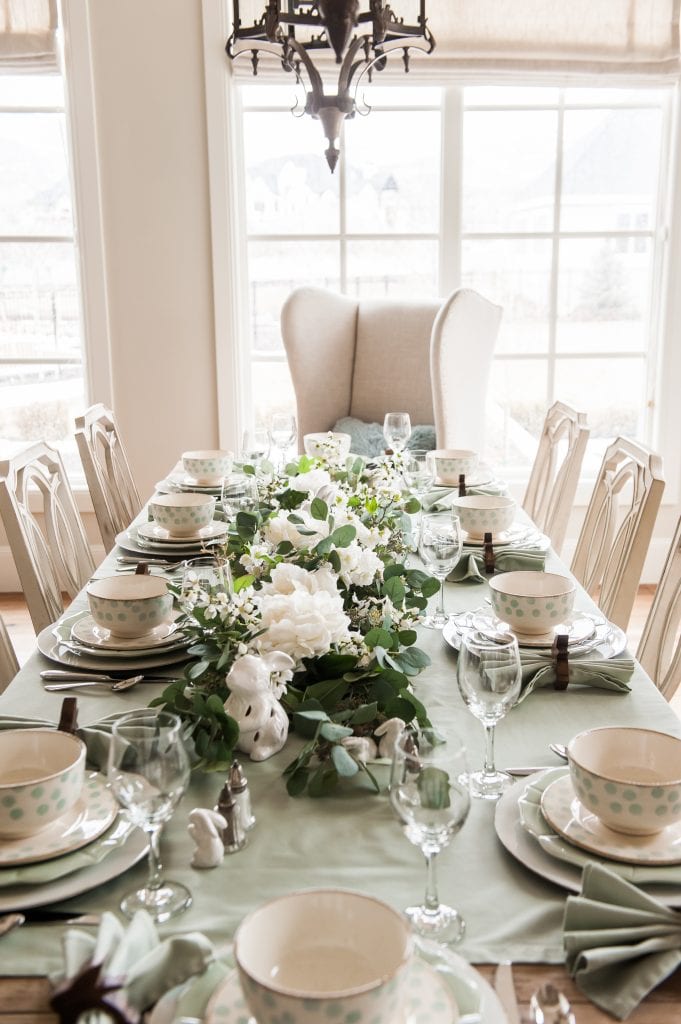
(317, 635)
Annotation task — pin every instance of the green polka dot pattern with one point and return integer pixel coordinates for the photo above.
(625, 807)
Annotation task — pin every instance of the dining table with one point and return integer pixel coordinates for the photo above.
(352, 839)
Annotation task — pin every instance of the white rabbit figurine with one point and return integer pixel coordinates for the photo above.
(205, 827)
(388, 732)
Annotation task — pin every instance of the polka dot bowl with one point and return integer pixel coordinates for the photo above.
(208, 466)
(324, 955)
(450, 463)
(182, 515)
(42, 772)
(629, 778)
(130, 606)
(532, 602)
(484, 513)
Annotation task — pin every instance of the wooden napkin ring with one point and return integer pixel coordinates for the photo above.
(559, 655)
(488, 554)
(68, 719)
(462, 485)
(142, 569)
(89, 990)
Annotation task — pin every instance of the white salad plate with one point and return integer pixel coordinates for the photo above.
(578, 628)
(607, 639)
(54, 642)
(154, 532)
(518, 536)
(184, 482)
(88, 819)
(482, 475)
(128, 540)
(566, 873)
(571, 819)
(86, 631)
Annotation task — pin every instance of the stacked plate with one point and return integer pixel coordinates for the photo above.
(149, 538)
(541, 822)
(78, 642)
(587, 633)
(87, 846)
(518, 535)
(181, 481)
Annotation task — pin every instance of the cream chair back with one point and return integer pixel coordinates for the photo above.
(115, 498)
(555, 473)
(617, 528)
(44, 531)
(659, 649)
(9, 666)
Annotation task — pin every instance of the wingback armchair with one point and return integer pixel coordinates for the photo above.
(365, 357)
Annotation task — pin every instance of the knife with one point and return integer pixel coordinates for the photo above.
(61, 675)
(528, 769)
(505, 990)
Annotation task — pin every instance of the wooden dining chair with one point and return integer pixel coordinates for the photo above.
(44, 531)
(9, 666)
(115, 498)
(615, 535)
(659, 649)
(555, 472)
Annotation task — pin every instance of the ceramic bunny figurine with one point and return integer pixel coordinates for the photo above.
(253, 702)
(205, 827)
(388, 732)
(362, 748)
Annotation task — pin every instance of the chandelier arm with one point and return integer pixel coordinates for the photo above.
(366, 65)
(349, 64)
(316, 83)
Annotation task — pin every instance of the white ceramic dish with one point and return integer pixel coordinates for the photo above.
(24, 897)
(154, 532)
(88, 819)
(86, 631)
(128, 541)
(483, 475)
(53, 640)
(42, 773)
(518, 535)
(525, 849)
(572, 820)
(175, 482)
(608, 640)
(578, 628)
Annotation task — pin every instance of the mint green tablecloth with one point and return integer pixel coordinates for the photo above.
(353, 840)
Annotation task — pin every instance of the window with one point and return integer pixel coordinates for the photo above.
(560, 192)
(41, 364)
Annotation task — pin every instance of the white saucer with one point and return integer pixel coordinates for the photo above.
(87, 632)
(90, 817)
(518, 534)
(579, 826)
(154, 532)
(578, 628)
(428, 997)
(185, 482)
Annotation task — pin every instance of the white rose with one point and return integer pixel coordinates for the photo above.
(312, 481)
(302, 624)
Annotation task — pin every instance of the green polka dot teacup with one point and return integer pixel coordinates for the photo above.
(629, 778)
(208, 467)
(130, 606)
(324, 955)
(484, 513)
(182, 515)
(42, 772)
(450, 463)
(531, 602)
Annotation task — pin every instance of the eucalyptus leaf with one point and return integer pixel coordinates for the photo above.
(378, 638)
(297, 782)
(433, 786)
(345, 765)
(324, 781)
(319, 509)
(395, 590)
(365, 713)
(332, 732)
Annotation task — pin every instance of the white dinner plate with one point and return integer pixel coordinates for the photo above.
(571, 819)
(23, 897)
(82, 824)
(482, 475)
(517, 536)
(578, 628)
(87, 632)
(525, 849)
(607, 639)
(183, 482)
(54, 644)
(153, 532)
(128, 541)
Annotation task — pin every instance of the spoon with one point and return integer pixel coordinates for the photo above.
(118, 685)
(560, 749)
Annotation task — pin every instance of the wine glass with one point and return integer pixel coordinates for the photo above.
(239, 494)
(440, 549)
(489, 677)
(429, 792)
(396, 430)
(418, 473)
(205, 582)
(255, 446)
(283, 432)
(148, 772)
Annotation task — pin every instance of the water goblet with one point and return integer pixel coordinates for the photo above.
(440, 549)
(206, 583)
(418, 473)
(148, 771)
(489, 677)
(396, 430)
(239, 494)
(429, 792)
(255, 446)
(283, 432)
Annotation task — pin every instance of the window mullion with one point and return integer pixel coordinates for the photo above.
(555, 251)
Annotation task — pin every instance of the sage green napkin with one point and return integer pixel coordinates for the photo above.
(440, 500)
(471, 567)
(534, 822)
(619, 943)
(135, 952)
(604, 673)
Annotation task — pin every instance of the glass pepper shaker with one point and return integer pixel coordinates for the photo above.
(242, 794)
(233, 835)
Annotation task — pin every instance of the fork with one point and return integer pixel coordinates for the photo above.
(144, 560)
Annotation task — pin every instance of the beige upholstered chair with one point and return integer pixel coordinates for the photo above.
(114, 496)
(9, 666)
(617, 528)
(555, 472)
(366, 357)
(44, 531)
(659, 649)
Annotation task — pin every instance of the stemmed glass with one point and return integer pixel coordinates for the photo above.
(440, 549)
(283, 432)
(396, 430)
(418, 473)
(489, 677)
(239, 494)
(255, 446)
(429, 792)
(205, 582)
(148, 772)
